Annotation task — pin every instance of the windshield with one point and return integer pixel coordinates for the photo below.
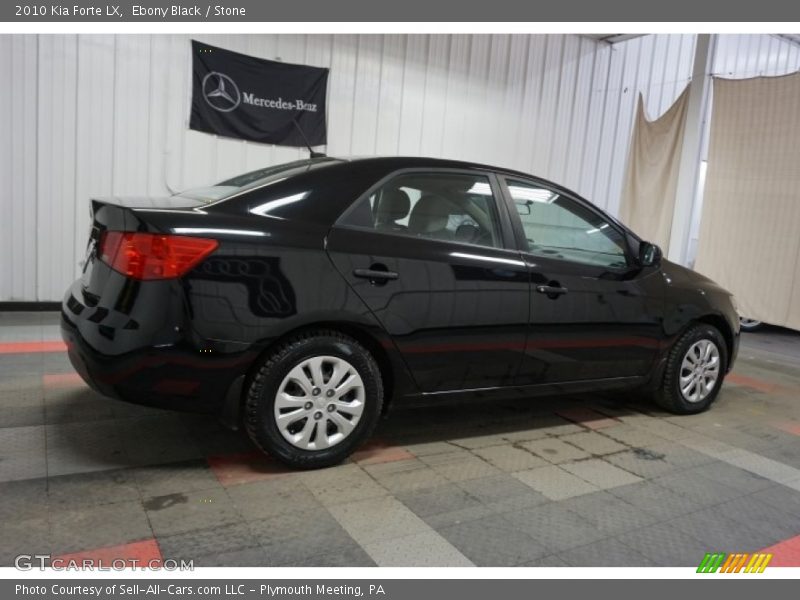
(254, 179)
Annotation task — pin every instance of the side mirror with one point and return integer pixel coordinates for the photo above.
(649, 255)
(524, 208)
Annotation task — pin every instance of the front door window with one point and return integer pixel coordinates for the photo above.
(558, 227)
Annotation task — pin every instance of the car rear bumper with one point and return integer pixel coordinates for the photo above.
(149, 354)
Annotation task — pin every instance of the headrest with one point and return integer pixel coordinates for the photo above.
(431, 213)
(467, 233)
(394, 205)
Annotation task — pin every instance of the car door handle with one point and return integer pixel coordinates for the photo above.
(551, 290)
(375, 274)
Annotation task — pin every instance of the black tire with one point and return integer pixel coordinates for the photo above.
(261, 392)
(669, 396)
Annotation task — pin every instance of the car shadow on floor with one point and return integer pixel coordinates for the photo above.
(87, 432)
(512, 418)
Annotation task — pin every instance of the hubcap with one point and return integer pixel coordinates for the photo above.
(319, 403)
(699, 370)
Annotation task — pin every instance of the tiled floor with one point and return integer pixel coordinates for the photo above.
(589, 481)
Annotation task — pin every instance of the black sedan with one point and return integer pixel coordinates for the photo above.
(305, 299)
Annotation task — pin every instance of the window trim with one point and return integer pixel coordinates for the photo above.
(507, 234)
(519, 231)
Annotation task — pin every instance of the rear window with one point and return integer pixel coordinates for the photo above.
(255, 179)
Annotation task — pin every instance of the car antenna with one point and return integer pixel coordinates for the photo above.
(305, 139)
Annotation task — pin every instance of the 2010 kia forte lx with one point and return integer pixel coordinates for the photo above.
(304, 299)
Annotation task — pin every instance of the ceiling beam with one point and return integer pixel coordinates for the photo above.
(613, 38)
(792, 38)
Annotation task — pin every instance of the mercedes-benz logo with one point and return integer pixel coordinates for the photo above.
(220, 92)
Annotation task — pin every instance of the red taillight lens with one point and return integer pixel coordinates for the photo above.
(153, 256)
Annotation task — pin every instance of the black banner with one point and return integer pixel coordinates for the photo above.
(259, 100)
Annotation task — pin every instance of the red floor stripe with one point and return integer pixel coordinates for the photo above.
(786, 553)
(32, 347)
(135, 554)
(377, 451)
(233, 469)
(61, 380)
(753, 383)
(587, 417)
(790, 427)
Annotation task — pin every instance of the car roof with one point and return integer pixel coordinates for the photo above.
(400, 162)
(381, 166)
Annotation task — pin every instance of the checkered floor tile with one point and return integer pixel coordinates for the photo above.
(579, 481)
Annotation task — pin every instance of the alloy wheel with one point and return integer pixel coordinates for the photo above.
(319, 402)
(700, 370)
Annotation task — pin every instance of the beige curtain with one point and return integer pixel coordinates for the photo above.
(648, 197)
(750, 230)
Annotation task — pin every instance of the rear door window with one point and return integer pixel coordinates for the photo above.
(451, 207)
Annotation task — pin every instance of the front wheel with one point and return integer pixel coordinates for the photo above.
(694, 372)
(314, 400)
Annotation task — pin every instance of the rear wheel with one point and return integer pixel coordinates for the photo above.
(314, 400)
(695, 369)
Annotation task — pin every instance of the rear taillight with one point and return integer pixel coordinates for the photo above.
(153, 256)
